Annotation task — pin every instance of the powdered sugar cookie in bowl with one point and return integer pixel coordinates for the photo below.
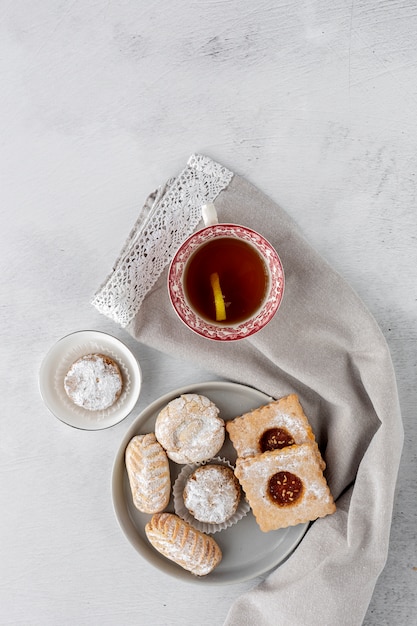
(94, 382)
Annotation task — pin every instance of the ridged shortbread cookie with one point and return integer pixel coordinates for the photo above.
(285, 487)
(274, 426)
(180, 542)
(148, 471)
(189, 429)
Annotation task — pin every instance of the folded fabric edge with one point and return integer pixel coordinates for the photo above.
(169, 215)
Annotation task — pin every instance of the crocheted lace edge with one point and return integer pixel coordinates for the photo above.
(169, 215)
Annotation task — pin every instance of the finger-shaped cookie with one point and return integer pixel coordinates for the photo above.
(148, 471)
(180, 542)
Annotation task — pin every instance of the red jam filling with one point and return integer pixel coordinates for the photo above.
(275, 439)
(285, 488)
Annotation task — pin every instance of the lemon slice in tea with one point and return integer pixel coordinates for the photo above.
(218, 297)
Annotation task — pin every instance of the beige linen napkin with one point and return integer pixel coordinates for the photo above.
(325, 346)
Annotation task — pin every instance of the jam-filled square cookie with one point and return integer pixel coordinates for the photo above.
(285, 487)
(274, 426)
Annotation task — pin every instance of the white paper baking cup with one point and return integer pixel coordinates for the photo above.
(182, 511)
(59, 360)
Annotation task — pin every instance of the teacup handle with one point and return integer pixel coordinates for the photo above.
(209, 214)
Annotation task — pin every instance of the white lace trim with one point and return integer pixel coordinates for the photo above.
(170, 215)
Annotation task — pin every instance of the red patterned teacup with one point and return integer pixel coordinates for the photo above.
(226, 281)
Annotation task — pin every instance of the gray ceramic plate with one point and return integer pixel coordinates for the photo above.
(247, 551)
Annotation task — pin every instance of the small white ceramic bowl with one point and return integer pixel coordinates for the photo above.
(57, 363)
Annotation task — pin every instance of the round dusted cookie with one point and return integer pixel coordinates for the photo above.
(190, 429)
(212, 493)
(94, 382)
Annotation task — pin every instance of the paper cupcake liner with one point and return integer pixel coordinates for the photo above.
(75, 353)
(182, 511)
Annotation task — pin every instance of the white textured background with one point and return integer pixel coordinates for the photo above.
(100, 102)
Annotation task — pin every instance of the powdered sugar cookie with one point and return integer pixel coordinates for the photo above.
(212, 493)
(94, 382)
(190, 429)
